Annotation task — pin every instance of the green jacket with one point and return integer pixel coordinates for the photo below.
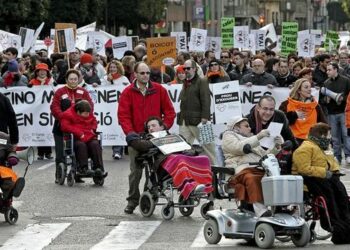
(195, 102)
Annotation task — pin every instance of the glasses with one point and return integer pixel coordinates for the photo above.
(144, 73)
(213, 64)
(187, 68)
(224, 57)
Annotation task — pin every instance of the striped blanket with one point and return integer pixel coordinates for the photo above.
(189, 171)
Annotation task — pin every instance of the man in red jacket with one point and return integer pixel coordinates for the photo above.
(137, 103)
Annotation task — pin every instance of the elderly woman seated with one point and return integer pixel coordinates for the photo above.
(314, 160)
(247, 179)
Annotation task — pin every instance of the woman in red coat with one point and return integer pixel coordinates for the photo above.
(80, 121)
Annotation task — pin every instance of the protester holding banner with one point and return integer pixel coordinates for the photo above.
(195, 107)
(259, 76)
(302, 110)
(64, 98)
(137, 102)
(263, 113)
(216, 73)
(11, 53)
(115, 76)
(12, 77)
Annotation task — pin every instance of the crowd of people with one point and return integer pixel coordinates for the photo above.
(312, 125)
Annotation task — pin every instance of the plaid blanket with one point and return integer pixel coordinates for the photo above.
(189, 171)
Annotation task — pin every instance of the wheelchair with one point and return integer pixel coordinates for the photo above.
(160, 186)
(69, 168)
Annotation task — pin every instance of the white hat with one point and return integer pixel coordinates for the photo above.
(234, 121)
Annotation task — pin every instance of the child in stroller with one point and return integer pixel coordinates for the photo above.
(190, 175)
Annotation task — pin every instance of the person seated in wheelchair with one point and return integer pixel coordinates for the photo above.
(80, 121)
(315, 162)
(191, 174)
(247, 178)
(10, 184)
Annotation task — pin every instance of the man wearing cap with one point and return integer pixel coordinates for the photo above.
(263, 113)
(42, 76)
(247, 178)
(195, 107)
(88, 70)
(140, 100)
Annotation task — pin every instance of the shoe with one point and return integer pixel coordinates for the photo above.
(117, 156)
(347, 159)
(19, 185)
(98, 172)
(48, 156)
(267, 213)
(199, 189)
(40, 157)
(129, 209)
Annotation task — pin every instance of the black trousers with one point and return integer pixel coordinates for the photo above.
(44, 150)
(84, 150)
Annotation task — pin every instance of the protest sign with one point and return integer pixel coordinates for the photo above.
(61, 26)
(318, 36)
(6, 40)
(120, 44)
(241, 36)
(181, 40)
(197, 40)
(289, 37)
(227, 24)
(270, 36)
(214, 44)
(332, 40)
(65, 40)
(160, 50)
(259, 39)
(97, 40)
(27, 36)
(306, 45)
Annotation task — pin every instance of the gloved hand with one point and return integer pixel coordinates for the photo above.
(263, 133)
(329, 174)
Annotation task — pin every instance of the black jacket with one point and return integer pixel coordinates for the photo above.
(319, 77)
(8, 121)
(260, 80)
(236, 74)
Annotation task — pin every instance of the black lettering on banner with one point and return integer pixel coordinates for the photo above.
(226, 97)
(24, 119)
(173, 95)
(182, 42)
(16, 98)
(46, 119)
(47, 97)
(252, 96)
(104, 119)
(107, 96)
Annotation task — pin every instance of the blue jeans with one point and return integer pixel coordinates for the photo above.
(339, 135)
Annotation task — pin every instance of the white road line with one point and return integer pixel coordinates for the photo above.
(17, 204)
(46, 166)
(128, 235)
(34, 236)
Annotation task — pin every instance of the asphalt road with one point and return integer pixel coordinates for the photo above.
(89, 217)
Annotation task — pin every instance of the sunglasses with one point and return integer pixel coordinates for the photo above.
(144, 73)
(187, 68)
(213, 64)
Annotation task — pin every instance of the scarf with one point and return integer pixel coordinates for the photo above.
(323, 143)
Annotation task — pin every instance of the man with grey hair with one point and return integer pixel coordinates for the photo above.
(259, 76)
(195, 107)
(344, 63)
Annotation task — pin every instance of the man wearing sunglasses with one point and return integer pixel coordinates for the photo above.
(194, 107)
(226, 61)
(259, 76)
(140, 100)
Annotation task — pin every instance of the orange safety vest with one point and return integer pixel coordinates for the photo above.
(6, 173)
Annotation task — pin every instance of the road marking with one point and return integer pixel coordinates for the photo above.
(17, 204)
(127, 235)
(34, 236)
(46, 166)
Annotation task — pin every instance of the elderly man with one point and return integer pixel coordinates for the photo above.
(137, 103)
(195, 107)
(263, 113)
(259, 76)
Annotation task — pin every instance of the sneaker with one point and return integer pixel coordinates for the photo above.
(347, 159)
(117, 156)
(19, 185)
(48, 156)
(40, 157)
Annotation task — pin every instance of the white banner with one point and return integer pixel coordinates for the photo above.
(198, 40)
(32, 107)
(306, 45)
(120, 44)
(241, 36)
(270, 35)
(66, 40)
(318, 36)
(27, 37)
(181, 40)
(259, 39)
(214, 44)
(97, 41)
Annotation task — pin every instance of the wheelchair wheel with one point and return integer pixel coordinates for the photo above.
(264, 235)
(70, 178)
(302, 239)
(98, 180)
(168, 212)
(11, 216)
(61, 175)
(147, 204)
(186, 211)
(205, 208)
